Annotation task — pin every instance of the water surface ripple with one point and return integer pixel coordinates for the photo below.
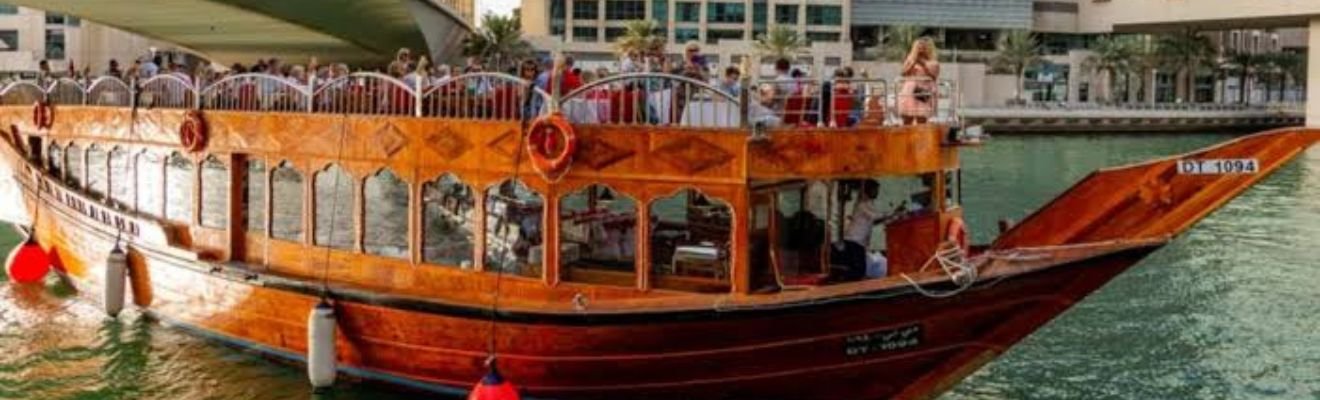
(1225, 312)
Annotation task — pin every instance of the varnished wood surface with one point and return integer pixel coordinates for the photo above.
(1151, 199)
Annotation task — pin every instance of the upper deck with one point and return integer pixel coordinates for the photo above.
(438, 175)
(692, 131)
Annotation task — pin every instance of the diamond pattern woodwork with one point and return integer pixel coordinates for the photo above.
(388, 140)
(599, 154)
(691, 155)
(448, 144)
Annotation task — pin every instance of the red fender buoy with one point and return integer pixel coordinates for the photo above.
(494, 387)
(28, 263)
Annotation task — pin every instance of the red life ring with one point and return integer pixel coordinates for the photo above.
(43, 115)
(551, 144)
(957, 233)
(192, 133)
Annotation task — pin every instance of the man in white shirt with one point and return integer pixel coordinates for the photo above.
(855, 254)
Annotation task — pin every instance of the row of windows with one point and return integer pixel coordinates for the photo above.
(690, 11)
(690, 233)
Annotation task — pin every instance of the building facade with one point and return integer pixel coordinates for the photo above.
(28, 36)
(726, 29)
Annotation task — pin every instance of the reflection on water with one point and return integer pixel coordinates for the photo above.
(1227, 311)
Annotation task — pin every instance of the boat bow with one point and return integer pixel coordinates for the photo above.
(1159, 198)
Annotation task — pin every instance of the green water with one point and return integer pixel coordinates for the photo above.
(1226, 312)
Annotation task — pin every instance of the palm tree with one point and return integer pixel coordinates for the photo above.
(1185, 52)
(780, 43)
(1146, 59)
(1018, 51)
(895, 43)
(1113, 57)
(1246, 65)
(1291, 66)
(499, 42)
(640, 36)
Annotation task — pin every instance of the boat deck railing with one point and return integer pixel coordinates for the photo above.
(635, 99)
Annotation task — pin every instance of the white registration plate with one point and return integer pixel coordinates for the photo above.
(1231, 166)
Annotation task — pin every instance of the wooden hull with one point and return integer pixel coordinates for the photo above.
(901, 343)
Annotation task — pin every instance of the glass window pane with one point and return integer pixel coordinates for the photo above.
(255, 196)
(97, 165)
(786, 13)
(121, 177)
(726, 12)
(448, 222)
(215, 194)
(513, 229)
(585, 10)
(73, 160)
(386, 219)
(55, 160)
(688, 12)
(824, 15)
(179, 187)
(286, 191)
(690, 241)
(625, 10)
(151, 183)
(334, 209)
(598, 238)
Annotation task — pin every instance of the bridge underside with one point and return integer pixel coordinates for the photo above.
(226, 31)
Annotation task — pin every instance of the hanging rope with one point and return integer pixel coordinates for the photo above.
(334, 213)
(953, 261)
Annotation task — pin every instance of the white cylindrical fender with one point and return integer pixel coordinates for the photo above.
(116, 267)
(321, 346)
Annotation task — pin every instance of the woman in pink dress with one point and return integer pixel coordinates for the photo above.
(921, 71)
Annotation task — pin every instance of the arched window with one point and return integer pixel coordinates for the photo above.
(73, 161)
(286, 200)
(597, 232)
(334, 209)
(150, 184)
(179, 181)
(215, 193)
(55, 160)
(514, 228)
(447, 222)
(97, 166)
(800, 228)
(121, 177)
(255, 196)
(690, 242)
(386, 218)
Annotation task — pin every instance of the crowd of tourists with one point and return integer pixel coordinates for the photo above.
(790, 97)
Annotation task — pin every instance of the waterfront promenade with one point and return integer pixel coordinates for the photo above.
(1163, 117)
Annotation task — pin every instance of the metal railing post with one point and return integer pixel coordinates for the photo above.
(311, 92)
(132, 93)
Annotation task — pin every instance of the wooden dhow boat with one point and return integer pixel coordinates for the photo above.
(694, 244)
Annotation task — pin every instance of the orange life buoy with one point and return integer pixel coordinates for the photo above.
(551, 144)
(43, 115)
(192, 134)
(957, 233)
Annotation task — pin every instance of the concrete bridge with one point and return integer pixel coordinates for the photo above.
(1165, 15)
(226, 31)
